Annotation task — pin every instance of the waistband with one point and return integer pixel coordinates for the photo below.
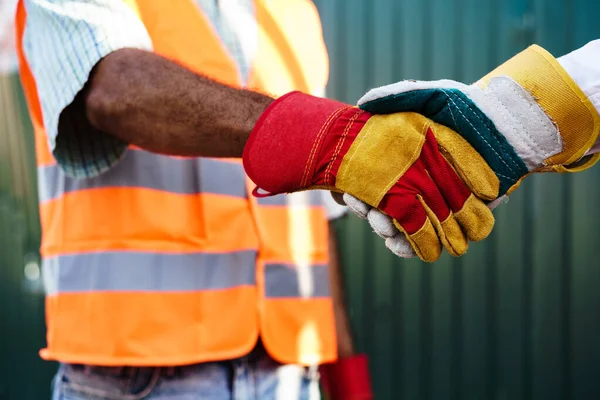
(258, 352)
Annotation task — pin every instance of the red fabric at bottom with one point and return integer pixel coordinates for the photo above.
(347, 379)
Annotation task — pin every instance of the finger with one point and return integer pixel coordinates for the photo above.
(435, 206)
(407, 95)
(470, 213)
(476, 219)
(382, 224)
(409, 217)
(425, 242)
(358, 207)
(400, 246)
(469, 164)
(448, 230)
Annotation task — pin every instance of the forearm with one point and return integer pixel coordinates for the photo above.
(342, 324)
(160, 106)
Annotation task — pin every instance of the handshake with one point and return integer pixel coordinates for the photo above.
(426, 162)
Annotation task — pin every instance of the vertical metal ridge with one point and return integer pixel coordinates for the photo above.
(369, 49)
(566, 278)
(397, 323)
(491, 282)
(457, 330)
(492, 325)
(341, 74)
(527, 282)
(397, 46)
(459, 72)
(566, 244)
(425, 344)
(427, 40)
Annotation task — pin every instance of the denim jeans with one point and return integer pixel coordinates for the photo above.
(253, 377)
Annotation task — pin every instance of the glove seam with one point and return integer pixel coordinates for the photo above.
(339, 146)
(477, 132)
(531, 107)
(318, 141)
(412, 160)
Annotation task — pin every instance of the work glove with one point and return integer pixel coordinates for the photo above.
(347, 379)
(423, 175)
(526, 116)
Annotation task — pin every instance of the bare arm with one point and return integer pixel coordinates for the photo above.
(342, 324)
(160, 106)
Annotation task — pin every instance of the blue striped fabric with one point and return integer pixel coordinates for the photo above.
(64, 39)
(62, 42)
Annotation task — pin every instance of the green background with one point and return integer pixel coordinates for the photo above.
(517, 318)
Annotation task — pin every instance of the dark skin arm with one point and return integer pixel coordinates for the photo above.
(158, 105)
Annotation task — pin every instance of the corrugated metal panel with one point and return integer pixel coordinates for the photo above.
(23, 375)
(517, 317)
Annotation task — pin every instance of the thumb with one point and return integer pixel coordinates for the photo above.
(408, 95)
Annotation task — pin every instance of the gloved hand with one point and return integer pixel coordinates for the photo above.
(548, 127)
(383, 225)
(526, 116)
(347, 379)
(402, 164)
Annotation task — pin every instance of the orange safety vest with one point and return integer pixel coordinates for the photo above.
(171, 261)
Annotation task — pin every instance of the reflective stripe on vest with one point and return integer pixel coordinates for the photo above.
(152, 171)
(169, 261)
(120, 271)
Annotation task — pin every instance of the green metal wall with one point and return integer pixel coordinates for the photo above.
(519, 316)
(23, 375)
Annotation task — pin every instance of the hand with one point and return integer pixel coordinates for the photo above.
(383, 225)
(511, 116)
(526, 116)
(422, 174)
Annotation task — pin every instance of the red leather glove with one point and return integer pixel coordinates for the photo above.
(402, 164)
(347, 379)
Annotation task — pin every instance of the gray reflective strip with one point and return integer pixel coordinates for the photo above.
(148, 170)
(304, 281)
(135, 271)
(306, 198)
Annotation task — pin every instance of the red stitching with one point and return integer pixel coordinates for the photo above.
(338, 148)
(318, 140)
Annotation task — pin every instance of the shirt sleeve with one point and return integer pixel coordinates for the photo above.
(62, 41)
(583, 65)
